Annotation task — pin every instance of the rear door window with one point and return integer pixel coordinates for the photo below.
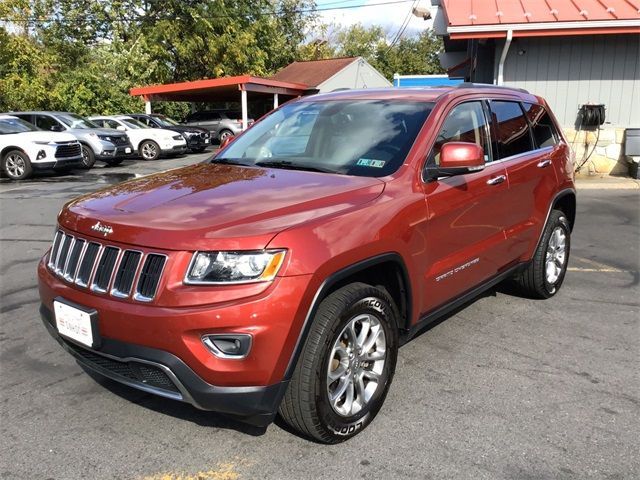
(511, 129)
(464, 123)
(544, 130)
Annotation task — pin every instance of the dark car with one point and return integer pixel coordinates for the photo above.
(282, 275)
(197, 138)
(221, 123)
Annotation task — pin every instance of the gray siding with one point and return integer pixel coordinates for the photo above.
(358, 74)
(571, 71)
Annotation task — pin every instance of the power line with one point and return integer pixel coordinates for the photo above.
(403, 27)
(43, 20)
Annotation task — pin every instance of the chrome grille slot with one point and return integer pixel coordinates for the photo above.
(74, 258)
(68, 150)
(149, 277)
(63, 253)
(53, 255)
(126, 273)
(86, 267)
(105, 268)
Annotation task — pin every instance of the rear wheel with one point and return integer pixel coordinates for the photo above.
(16, 165)
(88, 157)
(346, 365)
(149, 150)
(545, 273)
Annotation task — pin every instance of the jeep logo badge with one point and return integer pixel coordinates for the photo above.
(103, 229)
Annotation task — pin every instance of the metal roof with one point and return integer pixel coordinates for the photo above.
(223, 88)
(493, 18)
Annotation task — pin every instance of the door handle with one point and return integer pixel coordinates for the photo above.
(496, 180)
(544, 163)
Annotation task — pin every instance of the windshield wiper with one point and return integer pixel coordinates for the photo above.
(230, 161)
(292, 166)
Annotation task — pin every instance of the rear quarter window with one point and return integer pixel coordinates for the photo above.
(511, 129)
(545, 133)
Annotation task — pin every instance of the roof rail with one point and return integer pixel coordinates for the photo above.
(489, 85)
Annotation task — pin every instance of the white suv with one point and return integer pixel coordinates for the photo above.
(150, 143)
(24, 148)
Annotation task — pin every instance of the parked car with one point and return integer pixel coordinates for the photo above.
(197, 138)
(104, 144)
(271, 279)
(150, 143)
(25, 148)
(221, 123)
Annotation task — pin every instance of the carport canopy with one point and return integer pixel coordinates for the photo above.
(219, 89)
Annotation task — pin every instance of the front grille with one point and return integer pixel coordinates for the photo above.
(131, 370)
(205, 134)
(68, 150)
(120, 140)
(85, 263)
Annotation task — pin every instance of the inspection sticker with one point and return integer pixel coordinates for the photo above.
(367, 162)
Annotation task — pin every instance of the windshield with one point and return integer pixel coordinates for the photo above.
(165, 121)
(132, 123)
(72, 120)
(15, 125)
(369, 138)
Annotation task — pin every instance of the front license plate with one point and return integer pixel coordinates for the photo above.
(74, 323)
(127, 150)
(206, 140)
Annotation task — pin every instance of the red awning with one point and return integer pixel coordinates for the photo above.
(493, 18)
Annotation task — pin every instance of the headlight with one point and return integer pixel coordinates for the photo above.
(234, 267)
(41, 143)
(105, 137)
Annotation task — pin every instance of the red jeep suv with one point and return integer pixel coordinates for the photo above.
(282, 275)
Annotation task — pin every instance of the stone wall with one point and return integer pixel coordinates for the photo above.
(608, 158)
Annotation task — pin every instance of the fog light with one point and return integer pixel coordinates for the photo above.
(41, 154)
(226, 345)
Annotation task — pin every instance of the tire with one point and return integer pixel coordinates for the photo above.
(149, 150)
(88, 157)
(545, 273)
(16, 165)
(307, 406)
(114, 162)
(224, 134)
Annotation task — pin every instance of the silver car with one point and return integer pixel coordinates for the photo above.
(221, 123)
(105, 144)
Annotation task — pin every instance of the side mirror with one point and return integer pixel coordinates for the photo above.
(457, 158)
(226, 141)
(56, 128)
(121, 128)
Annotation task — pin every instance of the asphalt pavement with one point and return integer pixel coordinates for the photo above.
(504, 388)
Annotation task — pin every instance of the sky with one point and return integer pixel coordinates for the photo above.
(390, 16)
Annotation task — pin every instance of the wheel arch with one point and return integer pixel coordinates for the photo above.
(387, 270)
(565, 201)
(10, 148)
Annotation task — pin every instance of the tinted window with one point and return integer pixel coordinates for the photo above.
(46, 122)
(352, 137)
(465, 123)
(544, 130)
(10, 125)
(512, 130)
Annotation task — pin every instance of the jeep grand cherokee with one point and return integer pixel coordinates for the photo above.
(282, 275)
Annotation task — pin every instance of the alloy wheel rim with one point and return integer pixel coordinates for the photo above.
(15, 165)
(85, 155)
(356, 364)
(224, 135)
(556, 255)
(148, 150)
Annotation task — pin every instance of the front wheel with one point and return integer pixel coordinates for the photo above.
(88, 157)
(545, 273)
(224, 134)
(149, 150)
(346, 365)
(16, 165)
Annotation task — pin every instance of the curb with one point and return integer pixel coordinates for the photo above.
(606, 184)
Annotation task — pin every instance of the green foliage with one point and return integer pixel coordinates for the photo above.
(85, 55)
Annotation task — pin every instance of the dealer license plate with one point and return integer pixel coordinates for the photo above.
(73, 323)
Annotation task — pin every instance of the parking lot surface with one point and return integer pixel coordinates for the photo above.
(504, 388)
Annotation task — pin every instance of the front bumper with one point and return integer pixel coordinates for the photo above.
(162, 373)
(58, 163)
(197, 141)
(116, 152)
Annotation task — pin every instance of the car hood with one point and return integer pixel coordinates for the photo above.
(46, 136)
(185, 128)
(213, 206)
(98, 131)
